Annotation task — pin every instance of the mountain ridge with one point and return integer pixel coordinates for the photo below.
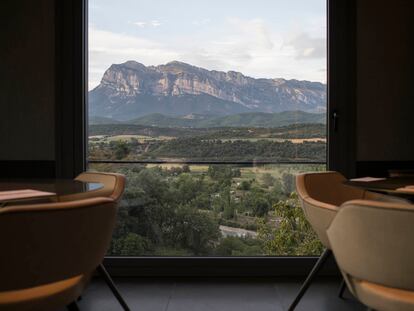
(131, 89)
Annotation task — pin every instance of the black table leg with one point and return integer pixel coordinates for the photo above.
(101, 269)
(73, 307)
(319, 264)
(342, 289)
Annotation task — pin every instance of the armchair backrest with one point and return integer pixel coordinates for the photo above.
(46, 243)
(373, 241)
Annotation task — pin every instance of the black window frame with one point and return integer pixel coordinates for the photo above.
(71, 137)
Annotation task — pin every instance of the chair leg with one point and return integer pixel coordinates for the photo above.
(319, 264)
(342, 289)
(102, 271)
(73, 307)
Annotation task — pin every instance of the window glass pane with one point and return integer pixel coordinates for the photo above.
(210, 109)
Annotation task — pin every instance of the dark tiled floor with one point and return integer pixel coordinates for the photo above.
(218, 295)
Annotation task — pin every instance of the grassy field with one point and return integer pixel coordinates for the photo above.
(143, 138)
(126, 138)
(279, 140)
(252, 173)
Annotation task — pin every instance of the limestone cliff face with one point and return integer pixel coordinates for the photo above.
(130, 82)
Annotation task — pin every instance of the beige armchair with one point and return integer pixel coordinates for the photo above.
(113, 187)
(373, 245)
(50, 250)
(320, 195)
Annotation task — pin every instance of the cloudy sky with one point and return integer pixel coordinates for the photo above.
(260, 38)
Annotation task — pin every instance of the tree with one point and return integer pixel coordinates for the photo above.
(121, 149)
(131, 244)
(244, 185)
(238, 246)
(229, 211)
(202, 201)
(292, 236)
(257, 202)
(261, 206)
(193, 229)
(186, 168)
(268, 180)
(150, 204)
(187, 187)
(289, 184)
(223, 172)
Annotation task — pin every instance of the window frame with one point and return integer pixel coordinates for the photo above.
(71, 137)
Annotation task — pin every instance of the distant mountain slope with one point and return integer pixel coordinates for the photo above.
(251, 119)
(161, 120)
(260, 119)
(102, 120)
(131, 90)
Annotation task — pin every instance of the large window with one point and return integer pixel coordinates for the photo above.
(210, 109)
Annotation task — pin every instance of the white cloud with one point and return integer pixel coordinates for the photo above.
(107, 48)
(308, 47)
(155, 23)
(248, 46)
(201, 22)
(254, 31)
(140, 24)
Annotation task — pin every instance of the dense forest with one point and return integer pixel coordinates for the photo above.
(210, 210)
(190, 148)
(177, 211)
(307, 130)
(290, 143)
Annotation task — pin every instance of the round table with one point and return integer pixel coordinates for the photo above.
(60, 187)
(391, 186)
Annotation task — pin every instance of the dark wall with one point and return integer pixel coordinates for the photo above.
(384, 77)
(27, 74)
(385, 80)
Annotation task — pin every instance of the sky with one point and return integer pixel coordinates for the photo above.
(259, 38)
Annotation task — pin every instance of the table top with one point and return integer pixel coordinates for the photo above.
(58, 186)
(387, 185)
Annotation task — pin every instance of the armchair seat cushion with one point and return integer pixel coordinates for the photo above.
(44, 297)
(384, 298)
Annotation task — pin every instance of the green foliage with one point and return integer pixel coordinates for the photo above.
(193, 229)
(292, 235)
(176, 211)
(250, 119)
(163, 213)
(307, 130)
(237, 149)
(187, 187)
(223, 172)
(245, 185)
(268, 180)
(289, 183)
(120, 149)
(131, 244)
(224, 202)
(256, 201)
(224, 143)
(229, 211)
(235, 246)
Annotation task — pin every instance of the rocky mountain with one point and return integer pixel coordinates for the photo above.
(131, 90)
